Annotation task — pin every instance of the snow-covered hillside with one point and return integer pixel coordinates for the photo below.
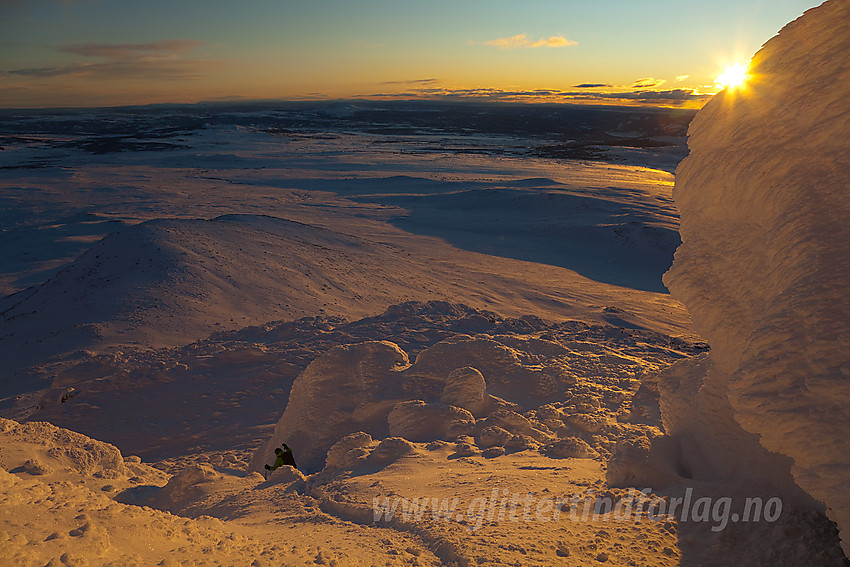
(764, 268)
(165, 282)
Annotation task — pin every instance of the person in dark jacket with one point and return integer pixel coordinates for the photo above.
(282, 457)
(288, 458)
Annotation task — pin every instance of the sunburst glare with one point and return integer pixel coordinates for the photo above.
(733, 77)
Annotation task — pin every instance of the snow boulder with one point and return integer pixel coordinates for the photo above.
(465, 388)
(290, 476)
(63, 450)
(421, 421)
(350, 451)
(182, 487)
(515, 423)
(349, 388)
(391, 449)
(493, 436)
(36, 467)
(649, 459)
(493, 452)
(521, 442)
(764, 268)
(465, 449)
(500, 365)
(569, 447)
(586, 422)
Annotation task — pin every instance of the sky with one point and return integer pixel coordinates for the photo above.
(68, 53)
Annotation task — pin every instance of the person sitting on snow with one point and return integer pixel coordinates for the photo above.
(288, 458)
(283, 457)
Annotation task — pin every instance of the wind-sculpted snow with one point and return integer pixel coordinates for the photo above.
(228, 390)
(534, 381)
(764, 267)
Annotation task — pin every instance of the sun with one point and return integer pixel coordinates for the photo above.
(732, 77)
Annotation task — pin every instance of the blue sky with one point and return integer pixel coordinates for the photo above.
(101, 52)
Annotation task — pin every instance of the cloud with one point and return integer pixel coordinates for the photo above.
(155, 60)
(648, 83)
(646, 96)
(40, 71)
(681, 78)
(477, 93)
(673, 97)
(591, 86)
(122, 50)
(412, 82)
(521, 41)
(121, 69)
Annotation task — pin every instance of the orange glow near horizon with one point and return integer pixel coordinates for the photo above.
(66, 53)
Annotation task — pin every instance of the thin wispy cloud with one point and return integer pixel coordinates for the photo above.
(521, 41)
(591, 86)
(648, 83)
(155, 60)
(14, 91)
(122, 50)
(37, 71)
(123, 69)
(681, 78)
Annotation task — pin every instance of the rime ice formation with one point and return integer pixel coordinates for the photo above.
(764, 267)
(466, 388)
(422, 421)
(526, 385)
(350, 388)
(707, 443)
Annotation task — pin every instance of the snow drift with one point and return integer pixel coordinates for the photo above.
(764, 268)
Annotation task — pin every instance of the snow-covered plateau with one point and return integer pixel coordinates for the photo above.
(455, 319)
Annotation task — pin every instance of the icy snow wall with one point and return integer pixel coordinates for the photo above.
(764, 267)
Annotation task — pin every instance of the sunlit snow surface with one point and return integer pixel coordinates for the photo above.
(213, 218)
(489, 179)
(176, 272)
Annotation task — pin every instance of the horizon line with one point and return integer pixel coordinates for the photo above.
(625, 104)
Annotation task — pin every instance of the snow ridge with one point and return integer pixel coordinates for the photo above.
(764, 268)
